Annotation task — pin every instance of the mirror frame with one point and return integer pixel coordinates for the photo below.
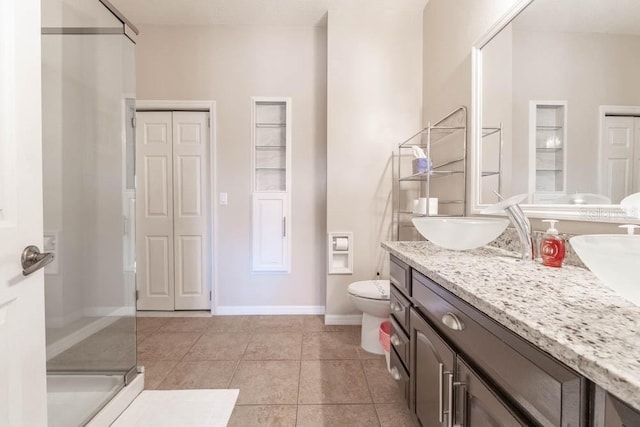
(589, 213)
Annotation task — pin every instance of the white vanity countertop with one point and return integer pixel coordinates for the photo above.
(566, 311)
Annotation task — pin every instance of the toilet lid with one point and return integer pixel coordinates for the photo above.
(372, 289)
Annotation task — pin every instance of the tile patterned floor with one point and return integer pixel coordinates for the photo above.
(291, 370)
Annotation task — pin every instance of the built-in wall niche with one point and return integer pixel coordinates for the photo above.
(271, 169)
(548, 152)
(270, 145)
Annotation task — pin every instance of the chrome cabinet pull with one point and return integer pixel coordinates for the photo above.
(450, 401)
(395, 374)
(440, 390)
(451, 321)
(396, 308)
(395, 340)
(463, 407)
(33, 260)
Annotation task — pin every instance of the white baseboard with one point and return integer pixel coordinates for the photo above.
(75, 337)
(62, 321)
(181, 313)
(109, 311)
(228, 310)
(119, 403)
(343, 319)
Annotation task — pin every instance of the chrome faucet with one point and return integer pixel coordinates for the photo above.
(523, 227)
(519, 220)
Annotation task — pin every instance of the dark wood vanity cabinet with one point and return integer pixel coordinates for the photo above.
(465, 369)
(432, 370)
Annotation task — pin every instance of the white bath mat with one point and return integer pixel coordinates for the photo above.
(179, 408)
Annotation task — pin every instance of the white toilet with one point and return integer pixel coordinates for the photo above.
(372, 297)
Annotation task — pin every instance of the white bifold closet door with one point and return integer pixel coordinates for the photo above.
(172, 214)
(621, 157)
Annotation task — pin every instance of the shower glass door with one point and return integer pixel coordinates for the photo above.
(88, 91)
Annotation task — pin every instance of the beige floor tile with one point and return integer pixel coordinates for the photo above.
(263, 416)
(316, 323)
(274, 346)
(277, 323)
(198, 375)
(365, 355)
(219, 346)
(267, 382)
(330, 345)
(166, 345)
(185, 324)
(337, 415)
(156, 371)
(229, 324)
(150, 324)
(383, 388)
(141, 336)
(333, 381)
(394, 415)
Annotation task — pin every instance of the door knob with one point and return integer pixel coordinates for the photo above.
(33, 260)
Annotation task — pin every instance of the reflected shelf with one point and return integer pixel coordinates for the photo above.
(270, 125)
(433, 174)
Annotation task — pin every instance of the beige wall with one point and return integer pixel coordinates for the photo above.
(450, 30)
(229, 64)
(374, 86)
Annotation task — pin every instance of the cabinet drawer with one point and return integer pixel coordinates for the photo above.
(399, 306)
(400, 374)
(542, 387)
(400, 343)
(400, 275)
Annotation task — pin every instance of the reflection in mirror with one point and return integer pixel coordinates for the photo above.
(560, 99)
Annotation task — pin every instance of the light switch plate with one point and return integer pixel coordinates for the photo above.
(224, 200)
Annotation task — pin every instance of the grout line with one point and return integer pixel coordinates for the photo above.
(299, 373)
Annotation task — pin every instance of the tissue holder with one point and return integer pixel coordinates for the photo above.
(422, 165)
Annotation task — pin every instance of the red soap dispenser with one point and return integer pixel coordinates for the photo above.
(552, 246)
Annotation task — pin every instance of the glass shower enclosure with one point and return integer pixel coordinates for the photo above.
(88, 91)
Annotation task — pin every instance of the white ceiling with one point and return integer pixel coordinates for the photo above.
(581, 16)
(248, 12)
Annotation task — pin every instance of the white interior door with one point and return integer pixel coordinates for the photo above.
(23, 399)
(173, 263)
(154, 211)
(190, 210)
(618, 157)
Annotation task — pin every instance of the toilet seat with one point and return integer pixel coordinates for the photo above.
(371, 289)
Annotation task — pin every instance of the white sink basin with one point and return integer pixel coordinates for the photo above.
(459, 234)
(614, 259)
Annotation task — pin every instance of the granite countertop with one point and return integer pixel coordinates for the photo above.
(566, 311)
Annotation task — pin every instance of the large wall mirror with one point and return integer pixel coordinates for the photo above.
(556, 111)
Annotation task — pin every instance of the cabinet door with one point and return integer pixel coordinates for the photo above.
(432, 363)
(479, 405)
(270, 230)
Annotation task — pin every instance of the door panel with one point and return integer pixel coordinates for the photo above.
(189, 265)
(618, 157)
(432, 363)
(479, 405)
(154, 217)
(158, 265)
(191, 213)
(23, 399)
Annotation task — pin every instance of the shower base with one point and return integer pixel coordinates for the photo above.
(72, 400)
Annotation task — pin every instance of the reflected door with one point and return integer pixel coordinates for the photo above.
(173, 271)
(620, 157)
(23, 400)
